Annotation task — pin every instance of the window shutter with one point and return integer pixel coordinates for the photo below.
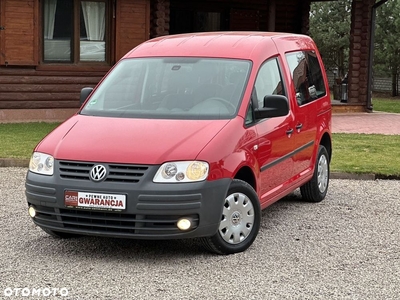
(132, 25)
(19, 34)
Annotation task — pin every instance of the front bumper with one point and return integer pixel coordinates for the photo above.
(152, 209)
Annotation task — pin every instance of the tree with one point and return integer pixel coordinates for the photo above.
(330, 29)
(387, 42)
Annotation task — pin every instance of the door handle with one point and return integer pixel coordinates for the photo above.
(289, 132)
(2, 28)
(299, 127)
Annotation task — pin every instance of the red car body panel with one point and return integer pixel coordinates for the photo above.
(275, 155)
(121, 141)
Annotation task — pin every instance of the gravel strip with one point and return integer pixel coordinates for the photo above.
(346, 247)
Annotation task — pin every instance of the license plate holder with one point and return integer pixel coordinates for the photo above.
(94, 201)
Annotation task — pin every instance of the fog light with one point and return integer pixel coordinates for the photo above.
(184, 224)
(32, 211)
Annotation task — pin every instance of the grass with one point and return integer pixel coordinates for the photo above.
(363, 154)
(352, 153)
(392, 106)
(386, 105)
(18, 140)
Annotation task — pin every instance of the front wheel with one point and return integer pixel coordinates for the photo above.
(240, 220)
(315, 190)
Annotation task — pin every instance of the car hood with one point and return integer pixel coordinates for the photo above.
(124, 140)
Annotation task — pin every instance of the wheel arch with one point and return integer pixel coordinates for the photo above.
(326, 141)
(245, 173)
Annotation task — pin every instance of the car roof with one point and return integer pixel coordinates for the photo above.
(241, 45)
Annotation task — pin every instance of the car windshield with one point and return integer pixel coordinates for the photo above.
(171, 88)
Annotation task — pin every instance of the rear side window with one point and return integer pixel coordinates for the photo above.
(307, 76)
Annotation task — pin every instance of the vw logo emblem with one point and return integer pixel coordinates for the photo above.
(98, 173)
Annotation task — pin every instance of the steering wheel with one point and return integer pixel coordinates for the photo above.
(225, 102)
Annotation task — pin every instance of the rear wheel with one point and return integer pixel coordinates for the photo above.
(240, 220)
(315, 190)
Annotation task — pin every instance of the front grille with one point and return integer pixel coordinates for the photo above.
(108, 223)
(116, 172)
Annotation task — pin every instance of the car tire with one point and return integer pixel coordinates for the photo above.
(59, 234)
(315, 190)
(240, 220)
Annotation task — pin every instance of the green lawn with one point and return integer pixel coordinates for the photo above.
(362, 153)
(352, 153)
(18, 140)
(386, 104)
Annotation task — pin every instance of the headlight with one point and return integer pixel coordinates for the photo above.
(182, 171)
(41, 163)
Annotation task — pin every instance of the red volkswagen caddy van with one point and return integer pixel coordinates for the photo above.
(188, 136)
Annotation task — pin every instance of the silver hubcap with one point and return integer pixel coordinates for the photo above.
(322, 173)
(237, 218)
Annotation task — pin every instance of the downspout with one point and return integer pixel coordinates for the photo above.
(371, 53)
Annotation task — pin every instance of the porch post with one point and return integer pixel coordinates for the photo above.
(361, 13)
(271, 15)
(159, 18)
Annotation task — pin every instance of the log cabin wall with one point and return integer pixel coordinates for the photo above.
(228, 15)
(292, 16)
(31, 89)
(159, 18)
(179, 16)
(27, 88)
(132, 25)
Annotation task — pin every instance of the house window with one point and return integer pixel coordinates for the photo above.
(74, 31)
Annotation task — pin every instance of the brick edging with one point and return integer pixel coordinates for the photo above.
(14, 162)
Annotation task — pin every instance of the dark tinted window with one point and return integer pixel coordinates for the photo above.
(307, 76)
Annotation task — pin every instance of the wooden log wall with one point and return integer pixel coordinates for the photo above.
(28, 83)
(292, 16)
(159, 18)
(31, 89)
(359, 51)
(132, 25)
(241, 15)
(19, 36)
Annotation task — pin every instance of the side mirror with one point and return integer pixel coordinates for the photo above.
(85, 92)
(274, 106)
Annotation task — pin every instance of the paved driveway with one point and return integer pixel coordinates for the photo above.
(346, 247)
(369, 123)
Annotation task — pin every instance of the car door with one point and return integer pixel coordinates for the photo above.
(276, 141)
(308, 85)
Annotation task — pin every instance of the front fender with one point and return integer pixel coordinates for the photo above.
(233, 164)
